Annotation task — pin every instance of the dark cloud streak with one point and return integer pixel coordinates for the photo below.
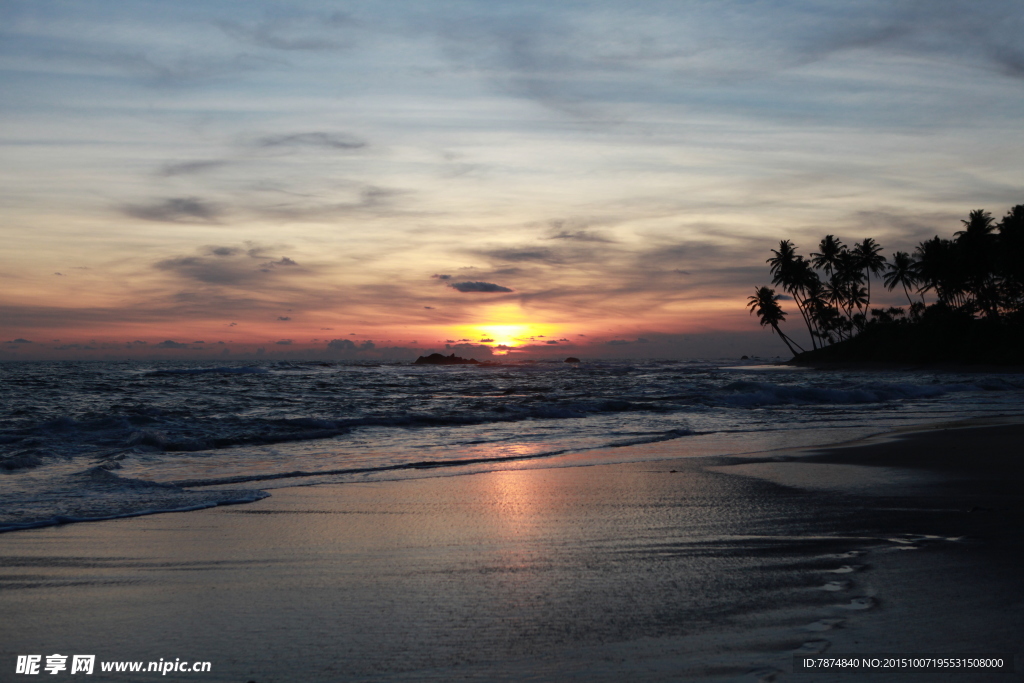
(175, 210)
(170, 170)
(317, 139)
(483, 287)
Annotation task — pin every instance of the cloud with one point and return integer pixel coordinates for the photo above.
(283, 261)
(312, 32)
(315, 139)
(341, 345)
(170, 170)
(228, 265)
(348, 346)
(283, 317)
(478, 287)
(175, 210)
(284, 342)
(523, 254)
(19, 340)
(441, 277)
(588, 60)
(577, 229)
(579, 236)
(625, 342)
(475, 349)
(369, 200)
(169, 344)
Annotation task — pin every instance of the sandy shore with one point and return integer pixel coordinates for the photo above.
(689, 569)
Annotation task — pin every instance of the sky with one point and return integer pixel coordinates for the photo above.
(362, 180)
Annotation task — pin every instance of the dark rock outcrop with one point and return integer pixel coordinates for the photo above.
(438, 359)
(571, 359)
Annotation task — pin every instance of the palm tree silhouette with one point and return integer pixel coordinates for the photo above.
(902, 271)
(765, 302)
(979, 272)
(1011, 258)
(869, 256)
(975, 245)
(828, 257)
(939, 269)
(794, 275)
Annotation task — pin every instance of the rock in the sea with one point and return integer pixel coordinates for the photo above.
(438, 359)
(571, 359)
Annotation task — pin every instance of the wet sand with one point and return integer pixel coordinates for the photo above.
(689, 569)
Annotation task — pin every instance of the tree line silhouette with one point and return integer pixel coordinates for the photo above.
(974, 280)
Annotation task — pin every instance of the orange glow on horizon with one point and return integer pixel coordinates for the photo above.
(504, 326)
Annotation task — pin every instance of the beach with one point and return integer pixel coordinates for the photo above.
(713, 568)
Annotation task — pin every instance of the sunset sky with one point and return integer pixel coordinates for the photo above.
(379, 179)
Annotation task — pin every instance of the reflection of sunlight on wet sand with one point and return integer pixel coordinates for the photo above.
(513, 505)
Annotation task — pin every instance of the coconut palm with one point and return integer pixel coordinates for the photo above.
(857, 295)
(869, 256)
(816, 305)
(976, 247)
(827, 258)
(939, 269)
(765, 302)
(793, 274)
(1011, 258)
(848, 278)
(902, 271)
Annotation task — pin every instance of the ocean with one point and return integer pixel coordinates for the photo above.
(83, 441)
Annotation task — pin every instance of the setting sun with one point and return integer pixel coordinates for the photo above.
(507, 335)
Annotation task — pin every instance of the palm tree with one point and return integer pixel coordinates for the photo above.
(816, 306)
(765, 302)
(849, 278)
(979, 223)
(857, 296)
(976, 246)
(939, 269)
(834, 294)
(1011, 261)
(869, 256)
(902, 271)
(794, 274)
(827, 258)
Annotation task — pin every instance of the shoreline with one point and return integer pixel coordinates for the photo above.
(655, 451)
(872, 365)
(713, 568)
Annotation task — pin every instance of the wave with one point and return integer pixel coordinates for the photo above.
(252, 369)
(760, 394)
(430, 464)
(150, 427)
(97, 494)
(652, 438)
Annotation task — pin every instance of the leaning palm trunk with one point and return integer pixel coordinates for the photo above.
(787, 340)
(807, 318)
